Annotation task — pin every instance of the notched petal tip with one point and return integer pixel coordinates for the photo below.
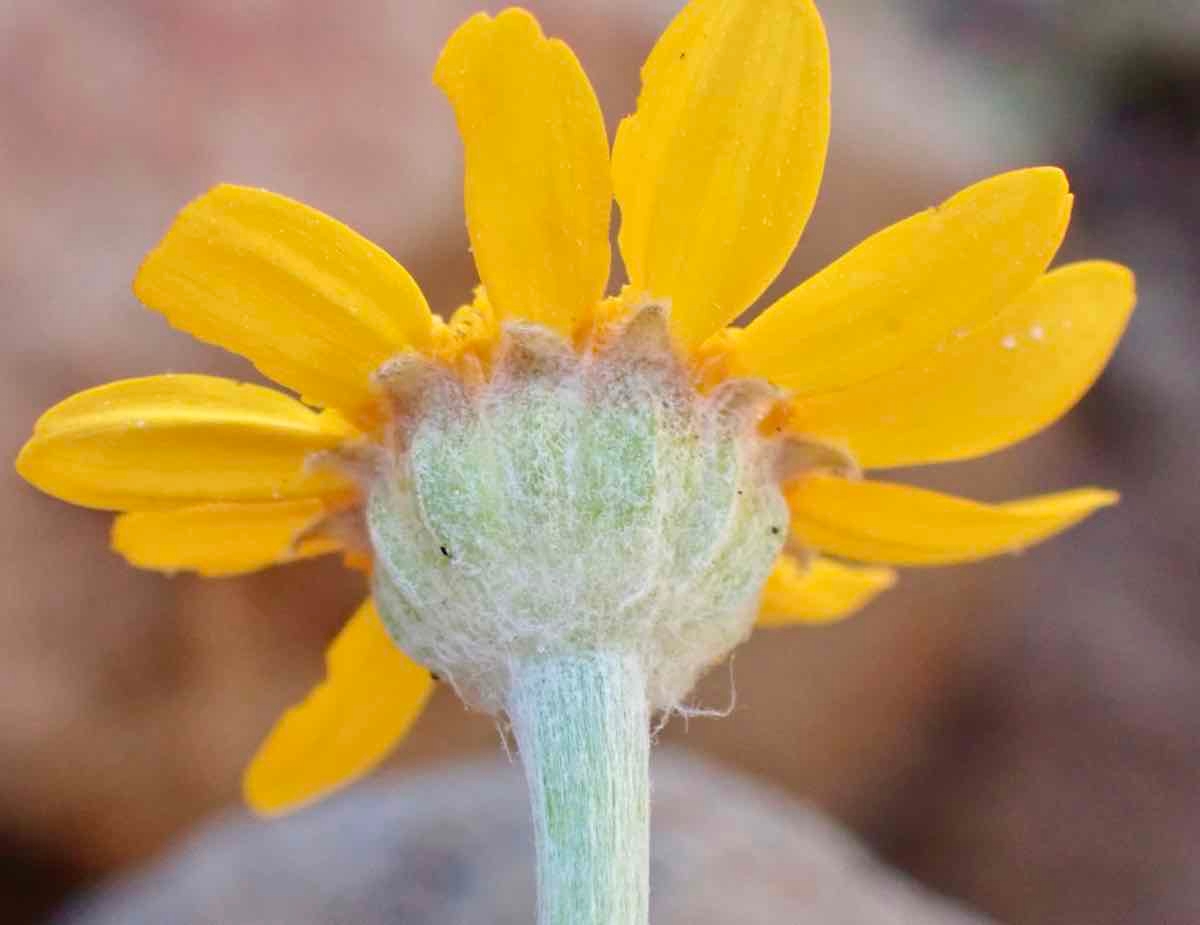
(513, 24)
(538, 187)
(735, 96)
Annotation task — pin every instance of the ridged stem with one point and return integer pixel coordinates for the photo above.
(582, 727)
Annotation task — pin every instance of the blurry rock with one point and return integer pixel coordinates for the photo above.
(455, 846)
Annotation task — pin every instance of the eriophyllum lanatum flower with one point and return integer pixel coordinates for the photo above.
(573, 501)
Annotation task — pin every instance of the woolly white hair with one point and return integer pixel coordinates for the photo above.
(574, 504)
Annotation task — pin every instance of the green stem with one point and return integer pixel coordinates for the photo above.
(582, 727)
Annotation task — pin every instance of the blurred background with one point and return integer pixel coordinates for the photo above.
(1021, 735)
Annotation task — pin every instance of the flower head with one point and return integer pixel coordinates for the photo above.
(556, 467)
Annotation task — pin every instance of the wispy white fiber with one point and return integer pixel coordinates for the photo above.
(577, 503)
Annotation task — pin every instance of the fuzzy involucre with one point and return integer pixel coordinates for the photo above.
(573, 504)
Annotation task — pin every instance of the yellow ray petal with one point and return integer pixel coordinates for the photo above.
(371, 695)
(902, 525)
(989, 388)
(173, 441)
(912, 285)
(821, 592)
(538, 183)
(222, 539)
(718, 169)
(314, 305)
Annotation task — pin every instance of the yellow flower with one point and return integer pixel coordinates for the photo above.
(943, 337)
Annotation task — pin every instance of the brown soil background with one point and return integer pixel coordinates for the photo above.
(1019, 734)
